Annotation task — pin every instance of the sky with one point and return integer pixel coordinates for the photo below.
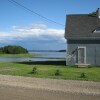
(31, 29)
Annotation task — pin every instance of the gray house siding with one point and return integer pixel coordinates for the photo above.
(82, 33)
(92, 51)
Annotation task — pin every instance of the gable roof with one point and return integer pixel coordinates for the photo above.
(81, 26)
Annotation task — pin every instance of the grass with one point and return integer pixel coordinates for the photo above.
(47, 70)
(18, 55)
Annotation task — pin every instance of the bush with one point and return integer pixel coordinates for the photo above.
(34, 71)
(82, 75)
(13, 50)
(57, 72)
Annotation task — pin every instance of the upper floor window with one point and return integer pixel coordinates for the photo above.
(97, 30)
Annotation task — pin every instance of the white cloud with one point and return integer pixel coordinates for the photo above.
(37, 31)
(39, 25)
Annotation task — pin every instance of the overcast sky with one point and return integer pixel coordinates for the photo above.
(29, 29)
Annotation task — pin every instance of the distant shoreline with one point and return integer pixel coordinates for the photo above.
(47, 50)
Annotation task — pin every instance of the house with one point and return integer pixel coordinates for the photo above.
(83, 39)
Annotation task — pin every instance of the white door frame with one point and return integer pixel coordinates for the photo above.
(83, 47)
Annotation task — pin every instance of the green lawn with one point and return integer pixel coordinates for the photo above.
(18, 55)
(48, 71)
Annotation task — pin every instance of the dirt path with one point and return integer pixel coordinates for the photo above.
(25, 88)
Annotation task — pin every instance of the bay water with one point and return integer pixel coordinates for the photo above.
(43, 56)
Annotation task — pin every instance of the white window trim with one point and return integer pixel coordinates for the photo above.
(96, 31)
(84, 53)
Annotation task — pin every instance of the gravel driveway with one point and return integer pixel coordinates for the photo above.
(26, 88)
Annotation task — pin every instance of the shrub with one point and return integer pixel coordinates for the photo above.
(82, 75)
(13, 50)
(89, 66)
(34, 71)
(57, 72)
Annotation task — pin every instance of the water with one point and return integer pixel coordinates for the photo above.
(44, 56)
(51, 54)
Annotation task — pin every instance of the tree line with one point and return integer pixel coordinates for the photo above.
(13, 50)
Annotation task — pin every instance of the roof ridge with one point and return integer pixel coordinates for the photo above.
(76, 14)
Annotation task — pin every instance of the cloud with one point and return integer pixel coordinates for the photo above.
(39, 25)
(32, 26)
(37, 33)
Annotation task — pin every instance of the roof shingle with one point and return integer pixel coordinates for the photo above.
(81, 26)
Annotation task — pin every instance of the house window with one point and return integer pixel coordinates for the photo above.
(97, 30)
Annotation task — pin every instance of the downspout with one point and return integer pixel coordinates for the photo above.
(95, 56)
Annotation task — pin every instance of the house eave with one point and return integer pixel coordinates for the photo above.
(83, 38)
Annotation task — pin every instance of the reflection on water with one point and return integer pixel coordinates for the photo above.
(51, 54)
(44, 56)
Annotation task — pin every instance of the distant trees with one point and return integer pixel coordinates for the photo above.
(94, 13)
(62, 50)
(13, 50)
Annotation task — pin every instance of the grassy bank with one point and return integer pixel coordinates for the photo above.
(47, 70)
(18, 55)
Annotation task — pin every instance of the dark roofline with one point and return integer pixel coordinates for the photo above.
(82, 38)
